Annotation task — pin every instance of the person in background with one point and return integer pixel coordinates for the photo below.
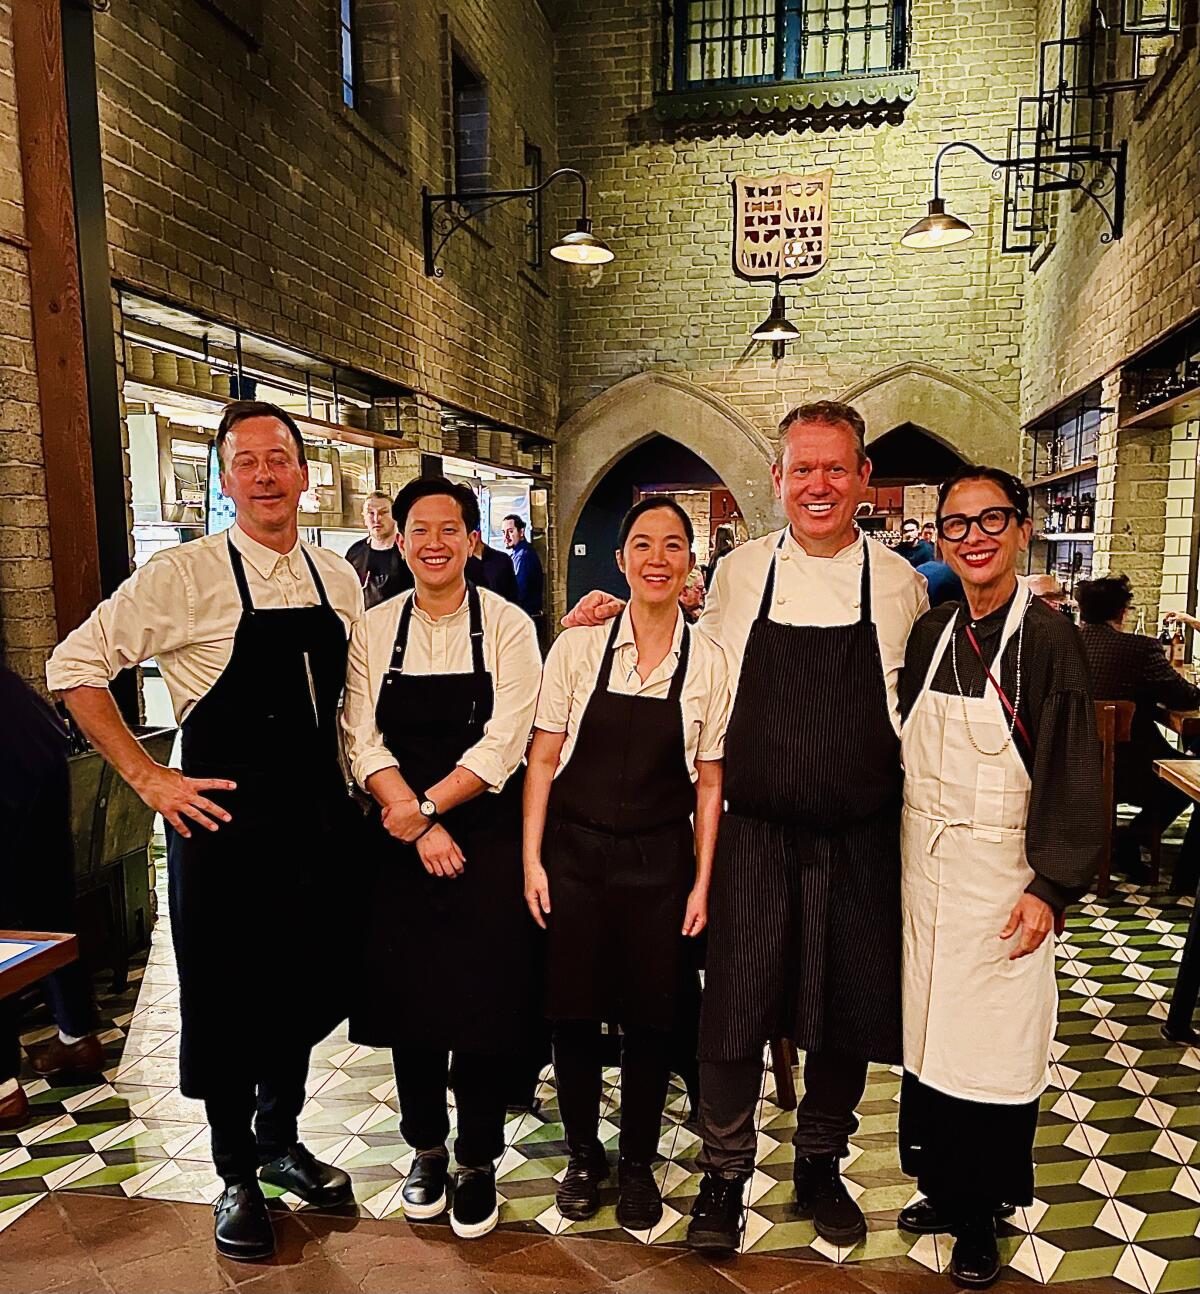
(1133, 667)
(722, 545)
(1048, 587)
(531, 583)
(944, 584)
(1000, 833)
(912, 547)
(377, 559)
(37, 890)
(929, 534)
(627, 746)
(250, 629)
(488, 567)
(441, 688)
(691, 596)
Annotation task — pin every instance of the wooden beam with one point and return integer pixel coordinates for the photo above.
(58, 338)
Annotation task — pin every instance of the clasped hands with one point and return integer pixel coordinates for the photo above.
(436, 848)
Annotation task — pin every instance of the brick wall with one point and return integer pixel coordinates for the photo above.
(671, 301)
(240, 186)
(26, 593)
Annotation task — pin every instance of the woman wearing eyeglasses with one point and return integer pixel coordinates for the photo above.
(1001, 830)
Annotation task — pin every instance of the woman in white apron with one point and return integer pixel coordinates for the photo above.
(1001, 830)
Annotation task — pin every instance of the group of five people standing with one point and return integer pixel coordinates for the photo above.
(856, 822)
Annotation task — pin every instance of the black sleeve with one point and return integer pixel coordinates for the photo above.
(1162, 683)
(506, 580)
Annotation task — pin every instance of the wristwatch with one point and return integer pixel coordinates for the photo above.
(428, 809)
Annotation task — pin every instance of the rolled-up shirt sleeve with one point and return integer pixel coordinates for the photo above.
(366, 751)
(150, 614)
(517, 675)
(716, 716)
(554, 699)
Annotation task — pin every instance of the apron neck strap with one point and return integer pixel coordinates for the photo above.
(243, 588)
(474, 620)
(681, 665)
(677, 679)
(768, 593)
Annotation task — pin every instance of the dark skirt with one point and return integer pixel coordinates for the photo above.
(967, 1156)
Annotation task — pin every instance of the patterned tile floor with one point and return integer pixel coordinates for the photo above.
(1118, 1178)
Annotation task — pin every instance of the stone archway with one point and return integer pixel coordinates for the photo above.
(950, 409)
(650, 404)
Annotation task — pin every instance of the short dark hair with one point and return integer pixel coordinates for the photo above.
(649, 504)
(1014, 489)
(519, 522)
(240, 410)
(425, 487)
(910, 521)
(1103, 599)
(828, 413)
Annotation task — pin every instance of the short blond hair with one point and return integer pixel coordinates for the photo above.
(826, 413)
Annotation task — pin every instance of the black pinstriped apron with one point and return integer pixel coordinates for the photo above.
(804, 927)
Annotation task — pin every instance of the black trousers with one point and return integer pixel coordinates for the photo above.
(422, 1077)
(645, 1070)
(254, 1121)
(825, 1120)
(967, 1156)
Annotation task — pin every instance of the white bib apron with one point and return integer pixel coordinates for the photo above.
(976, 1025)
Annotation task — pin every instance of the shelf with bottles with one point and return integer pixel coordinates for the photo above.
(1065, 442)
(1173, 640)
(1162, 386)
(1064, 511)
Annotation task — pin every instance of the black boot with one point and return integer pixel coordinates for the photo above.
(476, 1209)
(822, 1196)
(243, 1229)
(640, 1206)
(578, 1194)
(718, 1219)
(975, 1262)
(302, 1173)
(924, 1218)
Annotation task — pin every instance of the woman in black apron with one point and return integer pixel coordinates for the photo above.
(612, 868)
(448, 960)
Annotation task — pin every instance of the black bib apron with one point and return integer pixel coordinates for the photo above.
(620, 856)
(448, 960)
(804, 936)
(260, 926)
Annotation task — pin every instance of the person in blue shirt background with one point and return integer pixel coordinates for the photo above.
(527, 565)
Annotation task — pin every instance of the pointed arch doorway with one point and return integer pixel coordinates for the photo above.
(908, 464)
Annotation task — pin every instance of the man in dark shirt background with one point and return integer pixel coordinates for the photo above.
(527, 565)
(488, 567)
(1133, 667)
(381, 569)
(915, 550)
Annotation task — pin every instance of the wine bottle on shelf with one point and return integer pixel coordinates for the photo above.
(1164, 639)
(1072, 516)
(1178, 646)
(1088, 517)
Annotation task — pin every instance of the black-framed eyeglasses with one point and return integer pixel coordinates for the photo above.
(992, 521)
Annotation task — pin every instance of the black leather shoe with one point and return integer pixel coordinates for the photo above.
(578, 1194)
(476, 1209)
(243, 1229)
(424, 1192)
(924, 1218)
(718, 1219)
(302, 1173)
(640, 1206)
(975, 1261)
(822, 1196)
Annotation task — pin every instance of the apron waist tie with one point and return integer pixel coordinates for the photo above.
(941, 825)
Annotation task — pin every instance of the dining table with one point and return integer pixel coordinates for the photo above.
(30, 955)
(1185, 775)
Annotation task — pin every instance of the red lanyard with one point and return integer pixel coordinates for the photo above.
(1004, 701)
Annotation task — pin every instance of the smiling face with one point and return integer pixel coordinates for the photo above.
(656, 558)
(909, 532)
(981, 560)
(262, 473)
(436, 543)
(820, 482)
(381, 525)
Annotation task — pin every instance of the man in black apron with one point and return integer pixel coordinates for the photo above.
(804, 911)
(440, 701)
(250, 630)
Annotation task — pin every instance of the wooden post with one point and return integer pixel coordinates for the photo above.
(58, 337)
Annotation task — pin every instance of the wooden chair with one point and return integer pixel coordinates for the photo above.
(783, 1066)
(1114, 720)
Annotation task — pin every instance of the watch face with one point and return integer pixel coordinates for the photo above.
(428, 808)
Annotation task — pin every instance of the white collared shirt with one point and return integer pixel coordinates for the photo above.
(182, 608)
(819, 591)
(443, 646)
(572, 671)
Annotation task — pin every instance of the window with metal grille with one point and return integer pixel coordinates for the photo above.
(749, 42)
(533, 226)
(469, 98)
(346, 32)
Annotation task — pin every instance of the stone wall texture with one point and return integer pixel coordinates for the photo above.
(26, 580)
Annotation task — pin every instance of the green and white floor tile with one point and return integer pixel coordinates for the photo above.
(1118, 1147)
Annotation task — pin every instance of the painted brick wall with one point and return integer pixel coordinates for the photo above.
(26, 593)
(239, 185)
(672, 302)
